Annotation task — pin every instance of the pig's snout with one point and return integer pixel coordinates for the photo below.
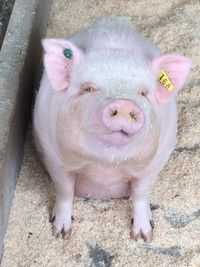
(123, 115)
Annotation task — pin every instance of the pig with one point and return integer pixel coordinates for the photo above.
(105, 121)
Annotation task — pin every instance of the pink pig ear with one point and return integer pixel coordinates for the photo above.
(59, 58)
(176, 68)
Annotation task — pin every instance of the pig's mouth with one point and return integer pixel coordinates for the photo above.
(116, 138)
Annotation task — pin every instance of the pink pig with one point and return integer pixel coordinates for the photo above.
(103, 122)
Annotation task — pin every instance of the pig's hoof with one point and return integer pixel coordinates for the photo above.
(55, 232)
(147, 237)
(66, 233)
(62, 225)
(144, 231)
(134, 235)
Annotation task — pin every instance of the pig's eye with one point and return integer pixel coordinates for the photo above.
(88, 88)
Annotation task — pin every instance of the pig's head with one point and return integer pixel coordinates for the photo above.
(109, 100)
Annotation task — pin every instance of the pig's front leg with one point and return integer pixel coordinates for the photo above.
(62, 211)
(141, 212)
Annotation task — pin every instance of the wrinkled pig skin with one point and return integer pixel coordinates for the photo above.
(104, 125)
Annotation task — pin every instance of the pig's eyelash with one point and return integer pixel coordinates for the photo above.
(143, 92)
(88, 88)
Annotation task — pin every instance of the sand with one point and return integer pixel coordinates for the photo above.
(100, 234)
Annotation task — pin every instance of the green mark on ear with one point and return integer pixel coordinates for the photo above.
(67, 52)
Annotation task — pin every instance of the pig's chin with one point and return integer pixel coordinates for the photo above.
(119, 147)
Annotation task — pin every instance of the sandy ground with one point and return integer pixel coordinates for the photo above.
(100, 234)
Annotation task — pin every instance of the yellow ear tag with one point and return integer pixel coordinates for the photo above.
(165, 81)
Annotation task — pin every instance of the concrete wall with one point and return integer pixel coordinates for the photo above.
(19, 59)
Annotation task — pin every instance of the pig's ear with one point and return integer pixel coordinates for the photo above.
(59, 58)
(171, 71)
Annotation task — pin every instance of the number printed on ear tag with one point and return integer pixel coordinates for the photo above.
(165, 81)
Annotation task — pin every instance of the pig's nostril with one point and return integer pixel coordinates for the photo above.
(114, 113)
(132, 115)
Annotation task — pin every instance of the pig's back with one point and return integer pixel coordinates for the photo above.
(114, 32)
